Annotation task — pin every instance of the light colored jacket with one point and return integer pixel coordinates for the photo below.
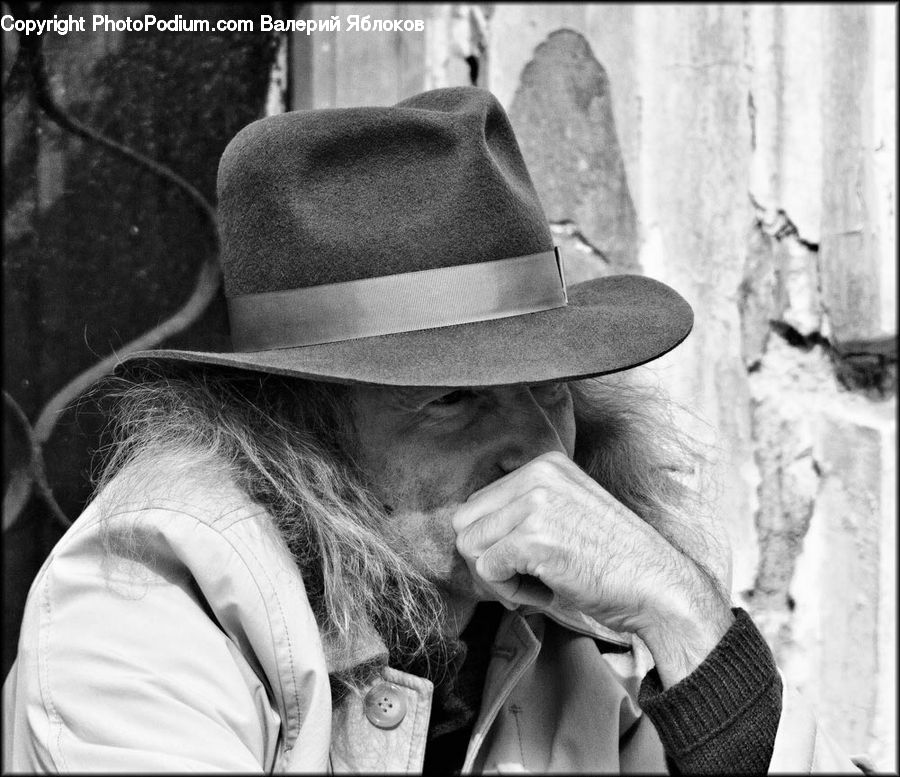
(170, 630)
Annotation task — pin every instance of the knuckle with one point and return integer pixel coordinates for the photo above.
(499, 561)
(531, 524)
(469, 540)
(538, 497)
(486, 565)
(549, 463)
(541, 570)
(542, 468)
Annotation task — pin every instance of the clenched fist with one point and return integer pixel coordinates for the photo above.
(548, 530)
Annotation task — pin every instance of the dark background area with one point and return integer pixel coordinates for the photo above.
(98, 249)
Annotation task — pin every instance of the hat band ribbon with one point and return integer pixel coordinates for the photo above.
(390, 304)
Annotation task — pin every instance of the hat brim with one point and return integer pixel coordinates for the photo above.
(610, 324)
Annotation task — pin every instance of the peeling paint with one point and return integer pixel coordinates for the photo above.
(782, 386)
(777, 224)
(793, 357)
(277, 95)
(581, 260)
(570, 229)
(751, 112)
(468, 31)
(564, 93)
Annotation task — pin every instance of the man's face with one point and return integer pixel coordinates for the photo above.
(426, 450)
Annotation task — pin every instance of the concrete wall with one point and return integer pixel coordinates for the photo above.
(746, 155)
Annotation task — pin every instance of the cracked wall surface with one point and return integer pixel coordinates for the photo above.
(755, 143)
(564, 93)
(746, 155)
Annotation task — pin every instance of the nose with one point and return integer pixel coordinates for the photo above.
(525, 428)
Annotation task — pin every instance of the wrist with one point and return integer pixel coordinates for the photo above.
(724, 717)
(680, 641)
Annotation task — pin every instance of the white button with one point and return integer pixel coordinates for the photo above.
(385, 705)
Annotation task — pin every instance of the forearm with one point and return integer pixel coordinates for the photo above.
(683, 631)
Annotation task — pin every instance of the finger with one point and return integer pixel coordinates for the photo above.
(522, 589)
(550, 463)
(490, 592)
(475, 538)
(511, 567)
(533, 591)
(503, 560)
(547, 468)
(494, 569)
(553, 466)
(484, 502)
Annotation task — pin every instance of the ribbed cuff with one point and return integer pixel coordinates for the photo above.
(727, 708)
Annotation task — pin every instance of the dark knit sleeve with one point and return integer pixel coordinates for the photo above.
(721, 718)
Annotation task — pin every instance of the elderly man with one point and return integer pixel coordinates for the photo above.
(404, 524)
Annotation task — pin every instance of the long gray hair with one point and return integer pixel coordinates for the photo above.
(285, 442)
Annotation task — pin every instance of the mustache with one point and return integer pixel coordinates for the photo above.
(434, 498)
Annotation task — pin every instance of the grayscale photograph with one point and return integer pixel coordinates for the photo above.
(449, 388)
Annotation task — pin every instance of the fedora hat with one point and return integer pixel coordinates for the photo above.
(406, 245)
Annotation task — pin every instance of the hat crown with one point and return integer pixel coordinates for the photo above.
(327, 196)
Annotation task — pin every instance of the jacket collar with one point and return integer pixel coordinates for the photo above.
(367, 646)
(577, 621)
